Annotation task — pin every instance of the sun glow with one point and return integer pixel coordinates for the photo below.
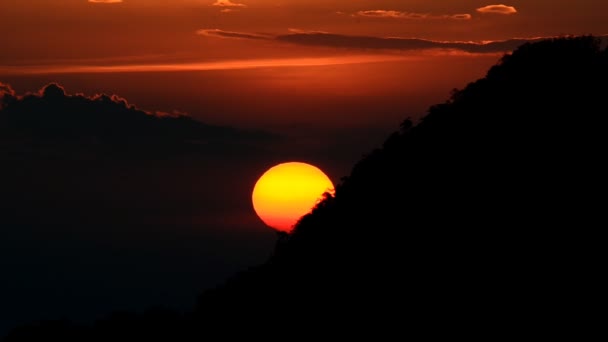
(288, 191)
(199, 66)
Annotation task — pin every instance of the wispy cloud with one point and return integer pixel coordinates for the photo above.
(105, 1)
(498, 9)
(201, 66)
(409, 15)
(390, 14)
(297, 30)
(227, 3)
(464, 16)
(231, 34)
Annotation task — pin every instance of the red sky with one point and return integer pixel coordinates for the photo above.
(138, 30)
(283, 65)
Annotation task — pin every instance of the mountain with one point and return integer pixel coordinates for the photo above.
(459, 220)
(471, 222)
(59, 119)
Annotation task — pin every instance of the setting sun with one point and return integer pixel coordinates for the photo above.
(288, 191)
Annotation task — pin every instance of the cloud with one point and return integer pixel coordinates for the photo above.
(52, 113)
(390, 14)
(227, 3)
(105, 1)
(231, 34)
(464, 16)
(297, 30)
(498, 9)
(409, 15)
(325, 39)
(381, 43)
(319, 38)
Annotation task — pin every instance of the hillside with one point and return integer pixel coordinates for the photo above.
(461, 223)
(458, 219)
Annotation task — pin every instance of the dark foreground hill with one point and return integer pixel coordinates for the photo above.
(467, 223)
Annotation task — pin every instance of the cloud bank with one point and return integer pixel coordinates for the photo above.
(378, 43)
(497, 9)
(313, 38)
(325, 39)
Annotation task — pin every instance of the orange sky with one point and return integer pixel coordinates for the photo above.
(328, 75)
(38, 31)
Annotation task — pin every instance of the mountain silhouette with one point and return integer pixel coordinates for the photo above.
(52, 115)
(460, 219)
(466, 223)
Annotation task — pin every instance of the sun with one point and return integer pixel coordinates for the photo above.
(288, 191)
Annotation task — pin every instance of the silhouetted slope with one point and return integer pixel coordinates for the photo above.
(462, 223)
(458, 221)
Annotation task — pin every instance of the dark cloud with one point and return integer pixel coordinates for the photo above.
(498, 9)
(52, 113)
(370, 42)
(318, 38)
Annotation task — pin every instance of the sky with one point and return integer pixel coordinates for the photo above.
(329, 79)
(292, 64)
(336, 49)
(80, 29)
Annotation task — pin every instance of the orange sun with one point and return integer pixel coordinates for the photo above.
(287, 192)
